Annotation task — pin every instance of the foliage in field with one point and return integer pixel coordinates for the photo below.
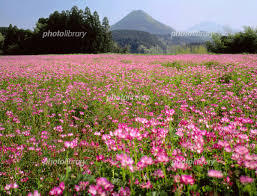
(128, 125)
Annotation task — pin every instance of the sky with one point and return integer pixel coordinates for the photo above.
(179, 14)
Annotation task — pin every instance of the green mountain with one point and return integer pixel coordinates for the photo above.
(141, 21)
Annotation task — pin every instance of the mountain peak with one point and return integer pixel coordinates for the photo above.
(138, 11)
(141, 21)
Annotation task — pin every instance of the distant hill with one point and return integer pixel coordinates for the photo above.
(183, 39)
(141, 21)
(212, 27)
(135, 39)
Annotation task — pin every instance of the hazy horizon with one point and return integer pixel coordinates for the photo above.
(179, 15)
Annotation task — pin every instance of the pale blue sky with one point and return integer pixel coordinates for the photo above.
(179, 14)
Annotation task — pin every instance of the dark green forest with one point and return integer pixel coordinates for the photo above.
(97, 40)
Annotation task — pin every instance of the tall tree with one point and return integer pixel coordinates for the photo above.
(1, 41)
(107, 35)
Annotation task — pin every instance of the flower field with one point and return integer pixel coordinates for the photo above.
(128, 125)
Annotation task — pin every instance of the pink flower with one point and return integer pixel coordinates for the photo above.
(77, 188)
(124, 192)
(141, 120)
(215, 174)
(227, 180)
(92, 190)
(7, 187)
(36, 193)
(11, 186)
(125, 160)
(58, 129)
(241, 150)
(44, 160)
(254, 131)
(187, 179)
(200, 161)
(228, 149)
(225, 120)
(15, 185)
(159, 173)
(83, 184)
(246, 179)
(105, 184)
(162, 158)
(177, 178)
(67, 144)
(146, 185)
(71, 144)
(62, 185)
(136, 182)
(56, 191)
(179, 163)
(144, 162)
(169, 112)
(147, 160)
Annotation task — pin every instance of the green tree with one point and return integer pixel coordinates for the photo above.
(1, 41)
(107, 36)
(242, 42)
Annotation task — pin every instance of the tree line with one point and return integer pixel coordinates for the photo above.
(241, 42)
(98, 37)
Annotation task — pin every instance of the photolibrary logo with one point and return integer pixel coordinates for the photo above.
(127, 97)
(192, 162)
(66, 33)
(47, 161)
(194, 34)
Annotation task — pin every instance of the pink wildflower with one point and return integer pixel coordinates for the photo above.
(187, 179)
(246, 179)
(215, 174)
